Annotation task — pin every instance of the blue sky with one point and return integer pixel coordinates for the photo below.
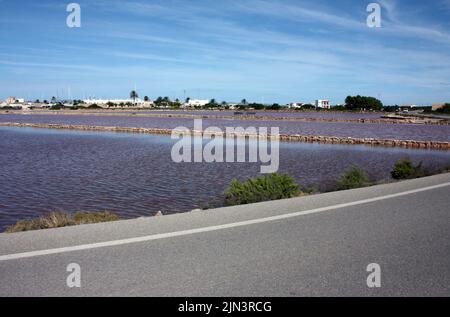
(262, 50)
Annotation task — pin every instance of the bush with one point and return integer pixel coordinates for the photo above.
(61, 219)
(405, 169)
(362, 102)
(82, 218)
(267, 188)
(56, 107)
(354, 178)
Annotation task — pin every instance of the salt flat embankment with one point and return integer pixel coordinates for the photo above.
(435, 145)
(381, 120)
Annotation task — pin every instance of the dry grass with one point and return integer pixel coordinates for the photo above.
(83, 218)
(61, 219)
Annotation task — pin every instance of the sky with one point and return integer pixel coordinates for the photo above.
(262, 50)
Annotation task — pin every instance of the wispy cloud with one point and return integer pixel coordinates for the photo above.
(392, 25)
(51, 65)
(281, 48)
(299, 12)
(396, 25)
(152, 57)
(445, 4)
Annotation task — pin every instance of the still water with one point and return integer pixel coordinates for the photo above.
(133, 175)
(356, 130)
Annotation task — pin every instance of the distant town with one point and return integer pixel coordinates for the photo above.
(358, 103)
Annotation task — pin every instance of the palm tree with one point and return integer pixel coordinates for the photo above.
(134, 95)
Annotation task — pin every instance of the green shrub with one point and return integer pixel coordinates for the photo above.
(61, 219)
(405, 169)
(354, 178)
(56, 107)
(267, 188)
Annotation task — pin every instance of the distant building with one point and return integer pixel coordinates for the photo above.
(323, 104)
(11, 100)
(104, 102)
(196, 103)
(16, 103)
(438, 106)
(148, 104)
(296, 105)
(101, 102)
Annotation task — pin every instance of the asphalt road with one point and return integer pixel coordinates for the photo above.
(312, 246)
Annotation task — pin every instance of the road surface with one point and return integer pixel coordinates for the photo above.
(312, 246)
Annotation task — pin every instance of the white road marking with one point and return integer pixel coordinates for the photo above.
(17, 256)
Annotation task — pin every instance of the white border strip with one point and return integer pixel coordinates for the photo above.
(208, 229)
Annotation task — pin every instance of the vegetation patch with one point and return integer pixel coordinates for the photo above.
(273, 187)
(362, 102)
(354, 178)
(405, 169)
(62, 219)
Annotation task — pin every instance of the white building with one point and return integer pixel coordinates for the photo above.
(14, 100)
(104, 102)
(197, 103)
(323, 104)
(101, 102)
(296, 105)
